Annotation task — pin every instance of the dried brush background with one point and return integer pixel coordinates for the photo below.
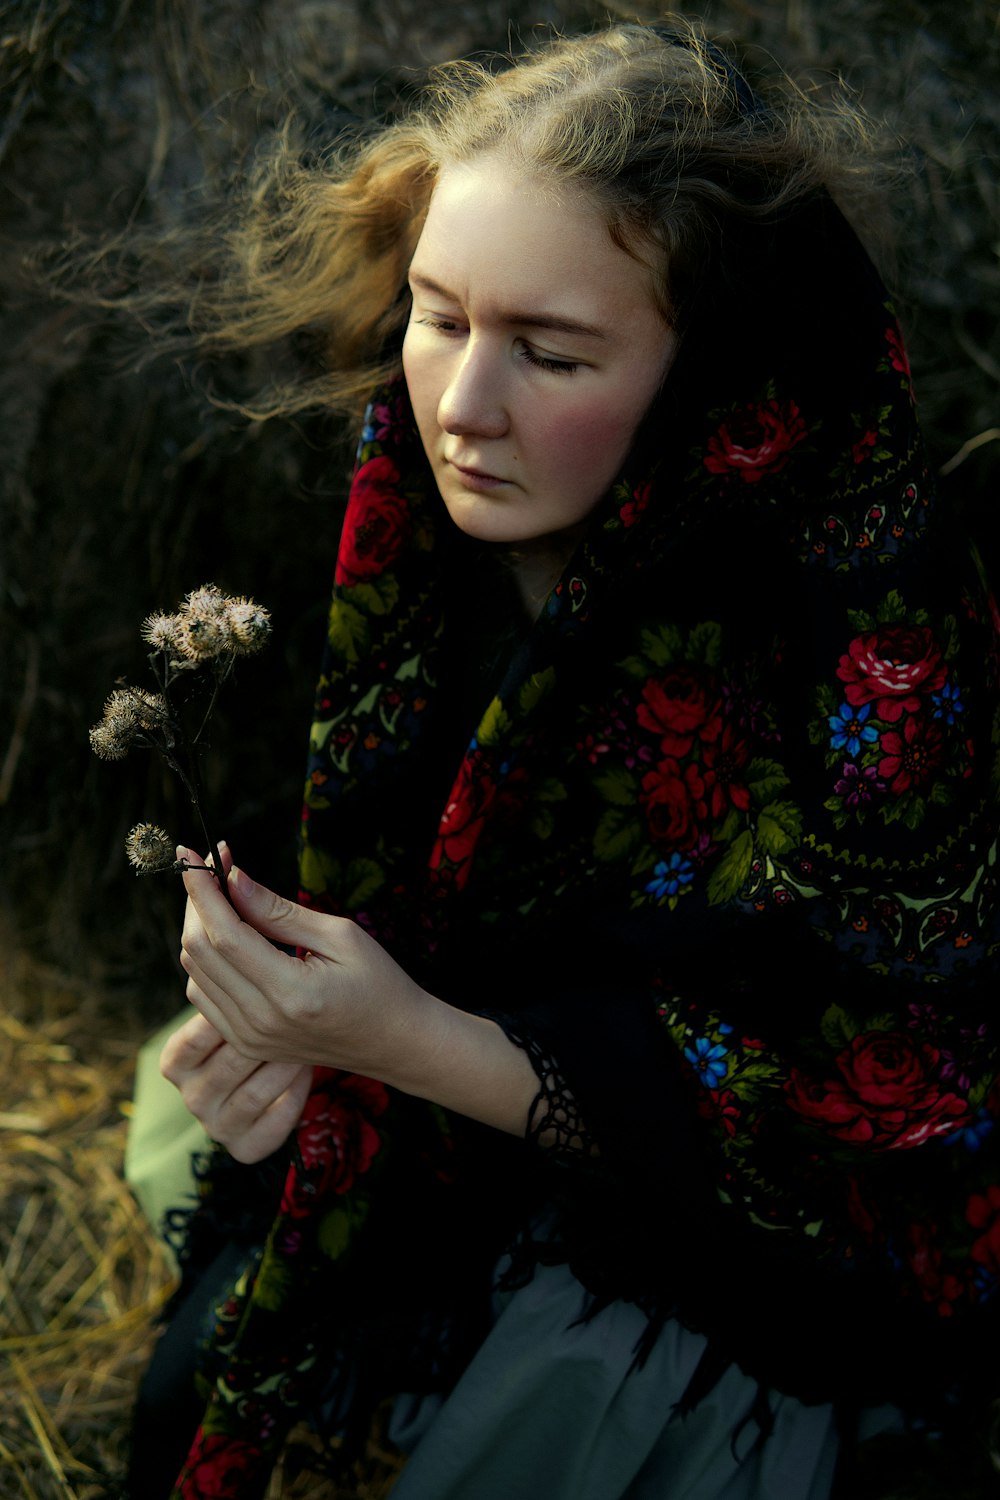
(121, 487)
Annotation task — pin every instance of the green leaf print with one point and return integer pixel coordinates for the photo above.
(348, 631)
(335, 1232)
(313, 871)
(662, 646)
(379, 597)
(537, 688)
(364, 878)
(779, 828)
(838, 1027)
(704, 644)
(543, 822)
(495, 723)
(617, 835)
(618, 787)
(730, 874)
(273, 1283)
(764, 778)
(949, 637)
(891, 609)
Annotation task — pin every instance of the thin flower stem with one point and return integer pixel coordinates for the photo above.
(196, 737)
(190, 784)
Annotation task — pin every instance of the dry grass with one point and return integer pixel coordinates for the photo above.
(81, 1276)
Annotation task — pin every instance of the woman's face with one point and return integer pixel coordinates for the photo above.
(533, 351)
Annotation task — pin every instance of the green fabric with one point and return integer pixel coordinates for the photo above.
(163, 1136)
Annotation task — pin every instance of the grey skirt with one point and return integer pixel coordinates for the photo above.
(553, 1408)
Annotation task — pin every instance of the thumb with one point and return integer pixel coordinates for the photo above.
(275, 917)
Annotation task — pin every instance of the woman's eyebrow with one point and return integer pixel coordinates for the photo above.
(522, 319)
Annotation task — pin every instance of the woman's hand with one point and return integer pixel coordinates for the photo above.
(345, 1004)
(247, 1106)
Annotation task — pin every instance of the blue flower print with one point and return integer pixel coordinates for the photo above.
(985, 1283)
(708, 1059)
(671, 877)
(850, 731)
(948, 702)
(974, 1134)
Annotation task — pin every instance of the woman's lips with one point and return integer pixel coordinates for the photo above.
(476, 479)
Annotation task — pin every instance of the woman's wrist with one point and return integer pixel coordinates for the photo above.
(466, 1063)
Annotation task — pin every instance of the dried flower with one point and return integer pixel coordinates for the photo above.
(150, 848)
(128, 712)
(113, 737)
(108, 743)
(203, 636)
(162, 632)
(150, 709)
(249, 623)
(210, 629)
(206, 600)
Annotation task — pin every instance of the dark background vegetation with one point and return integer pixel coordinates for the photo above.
(122, 486)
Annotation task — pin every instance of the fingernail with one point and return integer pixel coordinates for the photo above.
(181, 853)
(242, 881)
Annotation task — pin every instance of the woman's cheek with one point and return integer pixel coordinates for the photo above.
(595, 441)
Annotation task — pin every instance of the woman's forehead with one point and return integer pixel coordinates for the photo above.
(527, 249)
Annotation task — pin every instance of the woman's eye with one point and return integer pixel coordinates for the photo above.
(545, 362)
(444, 325)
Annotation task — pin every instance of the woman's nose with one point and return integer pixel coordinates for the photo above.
(472, 402)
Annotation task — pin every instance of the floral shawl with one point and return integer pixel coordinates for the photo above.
(715, 840)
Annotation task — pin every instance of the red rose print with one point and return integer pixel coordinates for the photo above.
(218, 1468)
(719, 1106)
(633, 509)
(892, 666)
(911, 758)
(862, 448)
(674, 801)
(680, 707)
(376, 523)
(888, 1095)
(336, 1138)
(756, 441)
(937, 1284)
(463, 818)
(897, 351)
(983, 1212)
(725, 773)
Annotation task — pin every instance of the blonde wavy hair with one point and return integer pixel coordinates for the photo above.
(654, 123)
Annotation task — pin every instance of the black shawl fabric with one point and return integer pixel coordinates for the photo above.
(714, 839)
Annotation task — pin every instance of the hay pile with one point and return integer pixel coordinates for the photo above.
(81, 1277)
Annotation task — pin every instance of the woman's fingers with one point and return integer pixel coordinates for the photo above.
(248, 1106)
(189, 1046)
(231, 967)
(249, 1136)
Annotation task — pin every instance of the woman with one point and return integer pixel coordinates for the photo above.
(650, 816)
